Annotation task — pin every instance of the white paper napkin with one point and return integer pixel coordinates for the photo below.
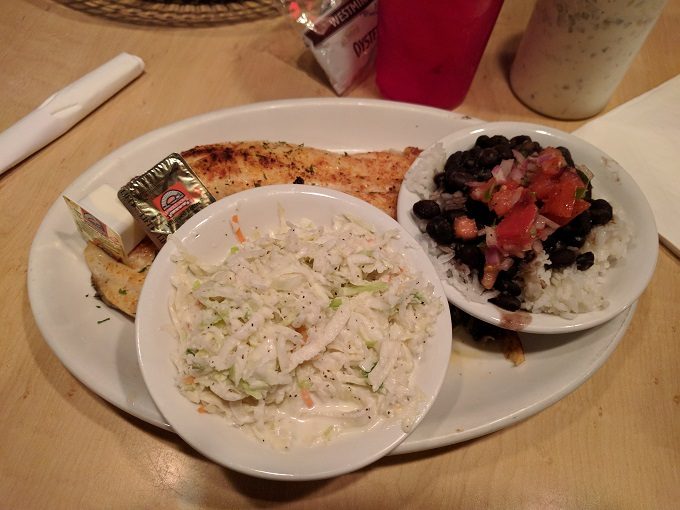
(643, 136)
(65, 108)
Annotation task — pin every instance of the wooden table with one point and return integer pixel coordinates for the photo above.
(613, 443)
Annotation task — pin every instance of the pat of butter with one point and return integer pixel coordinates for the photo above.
(102, 219)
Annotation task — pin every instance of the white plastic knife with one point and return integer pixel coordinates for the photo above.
(65, 108)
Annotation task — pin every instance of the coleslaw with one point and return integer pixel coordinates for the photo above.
(304, 333)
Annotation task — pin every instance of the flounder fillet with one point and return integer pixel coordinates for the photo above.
(228, 168)
(118, 284)
(372, 176)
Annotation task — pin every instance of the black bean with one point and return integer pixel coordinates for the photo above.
(529, 148)
(518, 140)
(600, 212)
(426, 209)
(575, 232)
(529, 256)
(482, 174)
(512, 271)
(489, 157)
(439, 180)
(441, 230)
(507, 286)
(585, 260)
(451, 214)
(483, 141)
(455, 181)
(498, 140)
(470, 255)
(562, 257)
(506, 301)
(552, 243)
(581, 225)
(575, 241)
(455, 160)
(505, 151)
(481, 213)
(470, 159)
(567, 156)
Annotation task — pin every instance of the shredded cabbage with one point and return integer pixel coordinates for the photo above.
(303, 333)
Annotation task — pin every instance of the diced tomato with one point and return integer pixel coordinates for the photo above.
(559, 206)
(514, 232)
(464, 227)
(543, 185)
(505, 198)
(551, 161)
(579, 206)
(490, 275)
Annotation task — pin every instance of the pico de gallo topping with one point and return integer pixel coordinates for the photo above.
(503, 201)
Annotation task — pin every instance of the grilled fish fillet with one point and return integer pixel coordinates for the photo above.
(372, 176)
(228, 168)
(118, 284)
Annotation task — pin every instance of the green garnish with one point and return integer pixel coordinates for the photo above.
(353, 290)
(489, 192)
(122, 292)
(335, 303)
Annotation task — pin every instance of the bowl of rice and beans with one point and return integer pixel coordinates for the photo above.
(529, 227)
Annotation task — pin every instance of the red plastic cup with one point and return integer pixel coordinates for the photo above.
(428, 52)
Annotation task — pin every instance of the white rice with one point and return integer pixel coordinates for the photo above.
(563, 292)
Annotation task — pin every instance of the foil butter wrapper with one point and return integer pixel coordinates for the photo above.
(164, 197)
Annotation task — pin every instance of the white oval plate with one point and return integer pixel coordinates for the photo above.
(103, 355)
(208, 236)
(625, 281)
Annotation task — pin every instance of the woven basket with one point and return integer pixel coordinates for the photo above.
(177, 13)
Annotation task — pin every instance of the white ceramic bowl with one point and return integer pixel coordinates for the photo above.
(625, 282)
(204, 235)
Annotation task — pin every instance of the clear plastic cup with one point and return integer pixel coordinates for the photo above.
(428, 52)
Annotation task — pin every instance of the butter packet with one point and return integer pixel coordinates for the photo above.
(102, 220)
(164, 197)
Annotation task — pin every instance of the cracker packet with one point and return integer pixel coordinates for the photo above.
(341, 34)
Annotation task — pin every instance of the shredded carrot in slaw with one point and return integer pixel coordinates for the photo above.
(306, 397)
(237, 229)
(303, 331)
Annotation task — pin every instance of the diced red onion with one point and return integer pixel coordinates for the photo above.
(491, 236)
(516, 195)
(501, 171)
(492, 256)
(506, 264)
(547, 222)
(519, 157)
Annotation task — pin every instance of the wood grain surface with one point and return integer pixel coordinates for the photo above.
(614, 443)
